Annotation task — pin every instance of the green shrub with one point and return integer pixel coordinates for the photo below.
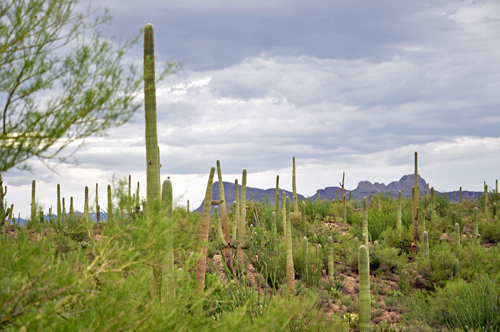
(472, 306)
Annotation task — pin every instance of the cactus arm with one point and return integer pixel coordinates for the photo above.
(218, 229)
(214, 202)
(249, 239)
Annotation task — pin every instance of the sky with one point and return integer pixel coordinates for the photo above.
(354, 86)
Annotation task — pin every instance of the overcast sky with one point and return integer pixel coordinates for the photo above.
(354, 86)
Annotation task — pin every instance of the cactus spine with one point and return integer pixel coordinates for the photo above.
(228, 252)
(294, 188)
(243, 217)
(277, 194)
(364, 290)
(306, 258)
(476, 228)
(331, 271)
(201, 263)
(86, 206)
(365, 222)
(398, 221)
(290, 273)
(167, 198)
(426, 246)
(457, 235)
(33, 203)
(110, 204)
(152, 155)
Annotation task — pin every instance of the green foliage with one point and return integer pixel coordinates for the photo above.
(472, 306)
(318, 210)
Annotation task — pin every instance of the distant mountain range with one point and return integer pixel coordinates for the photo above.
(363, 189)
(93, 216)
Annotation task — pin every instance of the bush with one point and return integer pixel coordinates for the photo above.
(470, 306)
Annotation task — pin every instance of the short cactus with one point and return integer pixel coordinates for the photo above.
(456, 269)
(457, 235)
(331, 272)
(364, 290)
(460, 195)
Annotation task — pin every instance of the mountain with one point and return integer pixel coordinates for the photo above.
(363, 189)
(92, 215)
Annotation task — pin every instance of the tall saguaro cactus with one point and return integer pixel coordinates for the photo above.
(201, 263)
(476, 228)
(398, 220)
(426, 246)
(86, 206)
(460, 195)
(228, 252)
(290, 272)
(365, 221)
(152, 155)
(416, 193)
(343, 191)
(97, 208)
(33, 203)
(294, 188)
(243, 217)
(306, 258)
(433, 202)
(457, 235)
(110, 204)
(277, 194)
(364, 290)
(485, 197)
(59, 210)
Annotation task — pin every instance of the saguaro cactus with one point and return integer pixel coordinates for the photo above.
(97, 208)
(167, 199)
(228, 252)
(243, 217)
(456, 269)
(110, 204)
(71, 209)
(277, 194)
(365, 221)
(457, 235)
(33, 202)
(494, 210)
(273, 224)
(201, 263)
(460, 195)
(485, 197)
(290, 272)
(283, 213)
(59, 210)
(304, 221)
(343, 190)
(344, 215)
(364, 290)
(294, 188)
(433, 202)
(306, 258)
(398, 220)
(152, 155)
(86, 206)
(331, 272)
(476, 228)
(416, 193)
(426, 246)
(5, 213)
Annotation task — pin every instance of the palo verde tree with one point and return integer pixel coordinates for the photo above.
(61, 80)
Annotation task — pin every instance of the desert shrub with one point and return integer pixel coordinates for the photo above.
(418, 308)
(489, 230)
(317, 210)
(390, 258)
(442, 204)
(470, 306)
(315, 267)
(392, 239)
